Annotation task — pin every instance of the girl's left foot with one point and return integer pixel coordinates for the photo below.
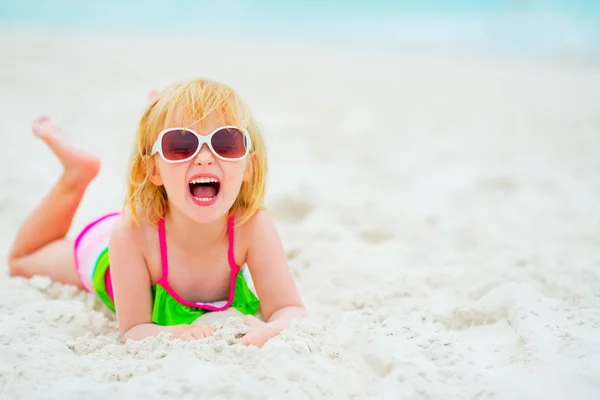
(151, 95)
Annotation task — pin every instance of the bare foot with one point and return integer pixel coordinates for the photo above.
(80, 167)
(151, 96)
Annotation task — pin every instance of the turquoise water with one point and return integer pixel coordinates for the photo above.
(549, 25)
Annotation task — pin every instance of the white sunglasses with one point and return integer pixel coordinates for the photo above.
(176, 145)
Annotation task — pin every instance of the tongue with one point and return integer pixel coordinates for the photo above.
(202, 191)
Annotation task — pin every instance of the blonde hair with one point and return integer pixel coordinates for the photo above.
(195, 99)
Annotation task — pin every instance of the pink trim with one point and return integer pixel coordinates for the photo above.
(205, 306)
(163, 281)
(230, 230)
(108, 284)
(162, 238)
(78, 240)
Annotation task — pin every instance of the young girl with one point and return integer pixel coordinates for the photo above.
(192, 219)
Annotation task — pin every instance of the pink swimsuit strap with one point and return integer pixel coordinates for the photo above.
(164, 279)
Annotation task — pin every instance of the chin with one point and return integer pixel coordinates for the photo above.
(206, 211)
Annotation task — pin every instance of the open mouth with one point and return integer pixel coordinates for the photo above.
(204, 188)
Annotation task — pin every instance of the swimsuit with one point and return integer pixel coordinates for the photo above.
(93, 267)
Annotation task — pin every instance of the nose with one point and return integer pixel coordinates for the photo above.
(205, 156)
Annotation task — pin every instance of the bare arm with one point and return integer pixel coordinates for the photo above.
(266, 259)
(131, 284)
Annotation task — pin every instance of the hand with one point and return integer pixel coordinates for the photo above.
(191, 332)
(260, 332)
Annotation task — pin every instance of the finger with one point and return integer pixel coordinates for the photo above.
(252, 339)
(188, 336)
(251, 320)
(199, 334)
(247, 340)
(202, 331)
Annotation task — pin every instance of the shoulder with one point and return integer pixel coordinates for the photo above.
(259, 234)
(259, 223)
(126, 231)
(131, 244)
(256, 229)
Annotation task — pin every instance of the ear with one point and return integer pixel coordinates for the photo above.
(152, 171)
(249, 171)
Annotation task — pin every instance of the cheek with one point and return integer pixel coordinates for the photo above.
(234, 175)
(172, 176)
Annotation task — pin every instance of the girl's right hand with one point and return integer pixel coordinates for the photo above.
(191, 332)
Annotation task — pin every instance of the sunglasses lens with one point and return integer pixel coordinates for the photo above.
(179, 144)
(229, 143)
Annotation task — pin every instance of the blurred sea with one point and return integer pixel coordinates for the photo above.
(495, 25)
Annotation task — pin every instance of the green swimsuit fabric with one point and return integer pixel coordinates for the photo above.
(166, 310)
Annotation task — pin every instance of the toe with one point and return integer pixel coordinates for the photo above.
(151, 95)
(39, 127)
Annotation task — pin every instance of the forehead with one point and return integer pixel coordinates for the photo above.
(201, 124)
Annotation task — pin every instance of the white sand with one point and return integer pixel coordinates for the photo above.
(441, 216)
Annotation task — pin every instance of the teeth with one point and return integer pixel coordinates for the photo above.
(203, 198)
(204, 179)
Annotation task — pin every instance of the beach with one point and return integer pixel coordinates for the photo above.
(440, 213)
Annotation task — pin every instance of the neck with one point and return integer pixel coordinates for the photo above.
(188, 233)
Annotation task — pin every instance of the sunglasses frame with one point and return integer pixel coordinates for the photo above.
(157, 147)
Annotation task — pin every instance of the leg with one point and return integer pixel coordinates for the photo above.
(55, 260)
(40, 247)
